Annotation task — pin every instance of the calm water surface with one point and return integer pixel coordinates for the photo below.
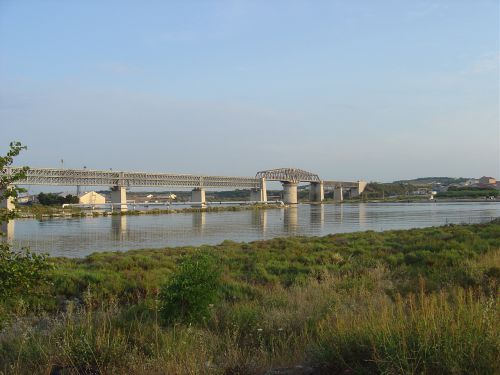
(77, 237)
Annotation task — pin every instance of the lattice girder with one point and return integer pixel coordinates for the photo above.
(86, 177)
(293, 175)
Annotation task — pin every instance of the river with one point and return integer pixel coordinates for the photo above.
(78, 237)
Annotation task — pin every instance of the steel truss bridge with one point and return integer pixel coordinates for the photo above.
(87, 177)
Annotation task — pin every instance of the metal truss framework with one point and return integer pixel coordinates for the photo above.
(292, 175)
(85, 177)
(327, 184)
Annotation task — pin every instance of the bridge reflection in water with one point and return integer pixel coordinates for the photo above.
(259, 220)
(317, 215)
(7, 229)
(119, 227)
(291, 220)
(199, 222)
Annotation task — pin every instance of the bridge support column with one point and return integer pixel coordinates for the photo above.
(6, 203)
(259, 194)
(290, 192)
(359, 189)
(316, 192)
(119, 198)
(338, 194)
(198, 198)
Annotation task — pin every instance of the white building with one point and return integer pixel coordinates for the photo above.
(91, 197)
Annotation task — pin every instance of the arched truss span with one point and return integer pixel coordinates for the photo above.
(288, 175)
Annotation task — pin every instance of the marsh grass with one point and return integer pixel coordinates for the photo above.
(339, 303)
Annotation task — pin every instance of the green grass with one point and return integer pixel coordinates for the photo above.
(421, 301)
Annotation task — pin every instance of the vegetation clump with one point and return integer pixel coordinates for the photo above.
(419, 301)
(23, 275)
(188, 295)
(52, 199)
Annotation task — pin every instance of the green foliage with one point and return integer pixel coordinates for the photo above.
(434, 180)
(7, 189)
(22, 274)
(468, 193)
(378, 190)
(51, 199)
(420, 301)
(188, 294)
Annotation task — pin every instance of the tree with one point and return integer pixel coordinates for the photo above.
(21, 272)
(7, 189)
(50, 199)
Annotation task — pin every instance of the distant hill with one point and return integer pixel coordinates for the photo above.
(433, 180)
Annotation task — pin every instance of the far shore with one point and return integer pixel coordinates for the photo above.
(49, 212)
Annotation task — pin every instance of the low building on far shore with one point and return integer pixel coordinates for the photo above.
(91, 197)
(487, 180)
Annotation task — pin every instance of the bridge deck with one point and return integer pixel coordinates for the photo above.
(87, 177)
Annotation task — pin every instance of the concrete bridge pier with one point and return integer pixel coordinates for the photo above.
(6, 203)
(338, 194)
(290, 192)
(119, 198)
(316, 192)
(355, 192)
(198, 198)
(259, 194)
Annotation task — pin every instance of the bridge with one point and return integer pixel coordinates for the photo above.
(119, 181)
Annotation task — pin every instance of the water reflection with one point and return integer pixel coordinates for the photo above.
(259, 220)
(291, 220)
(8, 231)
(199, 221)
(362, 215)
(119, 226)
(82, 236)
(317, 216)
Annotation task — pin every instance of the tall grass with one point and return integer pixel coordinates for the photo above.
(438, 333)
(337, 303)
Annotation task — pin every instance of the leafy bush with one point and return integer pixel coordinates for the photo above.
(20, 272)
(187, 296)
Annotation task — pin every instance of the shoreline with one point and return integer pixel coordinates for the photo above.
(49, 212)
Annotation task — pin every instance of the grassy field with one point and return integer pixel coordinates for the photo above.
(421, 301)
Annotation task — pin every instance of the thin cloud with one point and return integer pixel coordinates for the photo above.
(485, 64)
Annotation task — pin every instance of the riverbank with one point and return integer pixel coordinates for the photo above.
(49, 212)
(406, 301)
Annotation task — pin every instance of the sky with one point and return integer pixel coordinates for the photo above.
(374, 90)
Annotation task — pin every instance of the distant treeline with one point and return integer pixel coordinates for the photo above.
(377, 190)
(433, 180)
(51, 199)
(468, 192)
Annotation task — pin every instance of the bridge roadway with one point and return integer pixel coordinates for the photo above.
(120, 180)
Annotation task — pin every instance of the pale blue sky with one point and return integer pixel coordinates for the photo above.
(376, 90)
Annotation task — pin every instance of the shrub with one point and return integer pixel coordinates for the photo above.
(186, 297)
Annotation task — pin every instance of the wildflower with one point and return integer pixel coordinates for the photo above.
(259, 329)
